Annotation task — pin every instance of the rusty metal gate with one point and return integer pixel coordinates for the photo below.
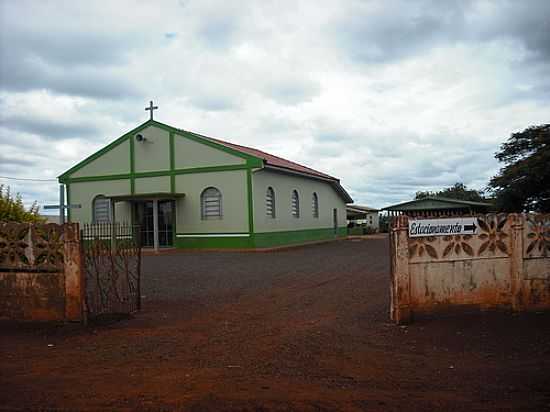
(112, 268)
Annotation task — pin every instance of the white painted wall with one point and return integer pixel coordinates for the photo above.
(115, 161)
(84, 193)
(153, 154)
(232, 185)
(189, 154)
(283, 185)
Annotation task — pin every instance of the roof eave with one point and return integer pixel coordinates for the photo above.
(463, 203)
(334, 182)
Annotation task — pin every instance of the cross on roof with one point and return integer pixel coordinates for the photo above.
(151, 108)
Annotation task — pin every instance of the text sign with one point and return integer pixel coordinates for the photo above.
(442, 227)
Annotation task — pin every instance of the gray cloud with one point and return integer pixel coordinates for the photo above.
(218, 33)
(26, 74)
(400, 29)
(49, 128)
(527, 21)
(214, 103)
(292, 91)
(390, 96)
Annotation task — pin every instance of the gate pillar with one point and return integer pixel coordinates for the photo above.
(74, 273)
(400, 310)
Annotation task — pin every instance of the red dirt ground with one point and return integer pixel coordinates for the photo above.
(297, 330)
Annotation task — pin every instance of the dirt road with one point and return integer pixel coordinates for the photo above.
(297, 330)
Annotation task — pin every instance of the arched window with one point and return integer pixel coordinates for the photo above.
(295, 204)
(270, 203)
(101, 208)
(211, 204)
(315, 205)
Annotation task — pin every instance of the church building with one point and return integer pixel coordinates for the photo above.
(186, 190)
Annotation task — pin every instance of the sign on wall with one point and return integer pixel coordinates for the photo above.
(442, 227)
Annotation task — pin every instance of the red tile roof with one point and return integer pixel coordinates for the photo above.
(272, 159)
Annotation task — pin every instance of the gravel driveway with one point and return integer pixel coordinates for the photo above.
(304, 329)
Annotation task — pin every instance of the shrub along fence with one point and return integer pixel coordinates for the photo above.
(504, 264)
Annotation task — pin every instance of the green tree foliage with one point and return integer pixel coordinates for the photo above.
(13, 210)
(523, 184)
(457, 191)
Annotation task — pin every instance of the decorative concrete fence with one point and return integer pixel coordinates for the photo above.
(41, 275)
(504, 264)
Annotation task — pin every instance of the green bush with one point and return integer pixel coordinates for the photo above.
(13, 210)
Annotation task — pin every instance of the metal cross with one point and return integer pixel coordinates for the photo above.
(151, 108)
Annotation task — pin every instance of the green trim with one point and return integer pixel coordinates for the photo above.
(160, 173)
(251, 161)
(172, 164)
(68, 188)
(97, 178)
(259, 240)
(173, 183)
(102, 151)
(211, 233)
(273, 239)
(132, 166)
(209, 169)
(250, 202)
(213, 242)
(205, 140)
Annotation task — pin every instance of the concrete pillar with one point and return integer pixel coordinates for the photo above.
(74, 274)
(401, 283)
(516, 259)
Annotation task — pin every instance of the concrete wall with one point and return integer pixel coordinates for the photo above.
(233, 187)
(84, 193)
(158, 184)
(152, 154)
(283, 185)
(115, 161)
(41, 276)
(190, 154)
(506, 264)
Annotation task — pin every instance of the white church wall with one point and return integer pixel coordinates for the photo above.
(232, 185)
(283, 185)
(159, 184)
(152, 154)
(114, 161)
(83, 193)
(189, 154)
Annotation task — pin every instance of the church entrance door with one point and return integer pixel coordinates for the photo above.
(156, 220)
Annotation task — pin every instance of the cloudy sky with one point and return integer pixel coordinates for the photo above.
(392, 97)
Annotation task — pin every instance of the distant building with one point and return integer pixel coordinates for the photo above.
(438, 206)
(362, 216)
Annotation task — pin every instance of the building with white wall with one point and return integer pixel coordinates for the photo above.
(191, 191)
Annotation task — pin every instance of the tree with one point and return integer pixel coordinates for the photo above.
(457, 191)
(13, 210)
(523, 184)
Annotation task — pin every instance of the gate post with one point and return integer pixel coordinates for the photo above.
(516, 259)
(400, 310)
(74, 274)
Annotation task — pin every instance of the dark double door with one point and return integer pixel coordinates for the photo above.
(145, 217)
